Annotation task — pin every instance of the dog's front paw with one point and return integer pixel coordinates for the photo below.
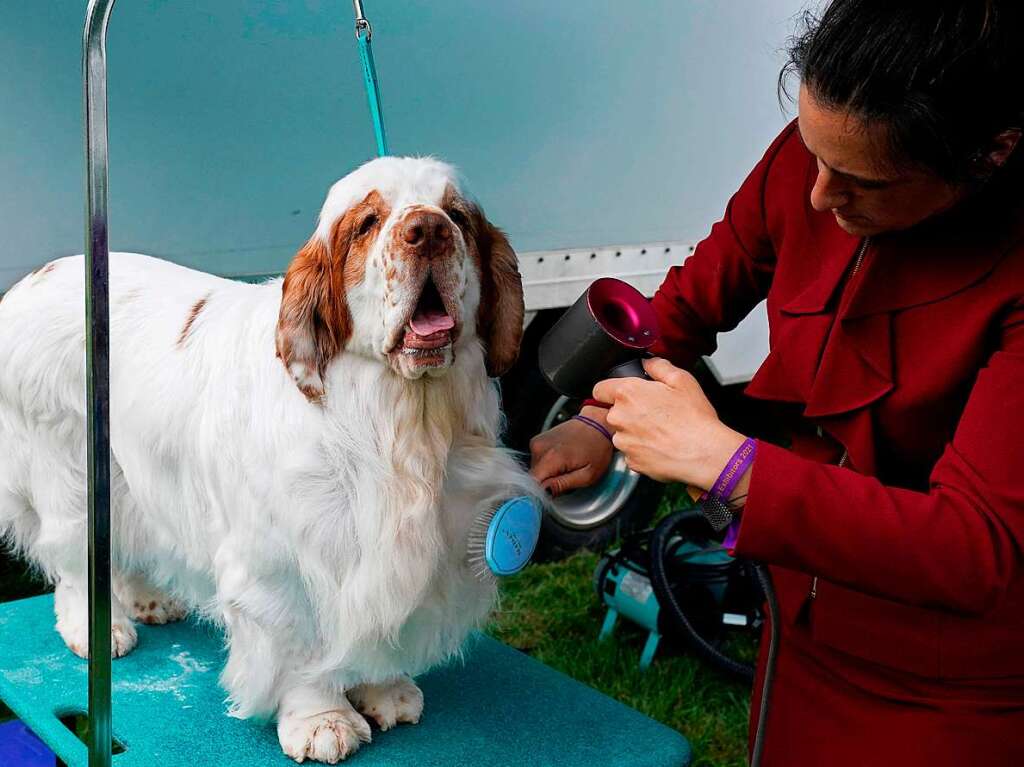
(390, 703)
(328, 737)
(123, 637)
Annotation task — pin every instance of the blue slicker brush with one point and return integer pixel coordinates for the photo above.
(502, 540)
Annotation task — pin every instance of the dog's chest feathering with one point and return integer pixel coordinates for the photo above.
(380, 505)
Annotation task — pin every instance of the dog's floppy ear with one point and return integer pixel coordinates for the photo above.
(314, 323)
(500, 318)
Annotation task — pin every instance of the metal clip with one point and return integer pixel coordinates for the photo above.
(362, 23)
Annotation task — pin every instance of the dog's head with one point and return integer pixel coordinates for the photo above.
(402, 268)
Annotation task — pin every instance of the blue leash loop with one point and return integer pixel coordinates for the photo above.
(363, 34)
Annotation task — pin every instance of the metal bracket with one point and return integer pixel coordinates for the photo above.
(362, 23)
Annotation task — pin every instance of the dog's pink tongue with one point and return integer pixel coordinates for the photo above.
(426, 323)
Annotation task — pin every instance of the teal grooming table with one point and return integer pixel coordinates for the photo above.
(500, 708)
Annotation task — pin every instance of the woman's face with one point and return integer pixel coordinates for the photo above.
(855, 179)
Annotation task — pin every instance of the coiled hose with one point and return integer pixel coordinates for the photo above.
(660, 538)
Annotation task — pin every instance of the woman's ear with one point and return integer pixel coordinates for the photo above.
(1002, 147)
(314, 323)
(500, 318)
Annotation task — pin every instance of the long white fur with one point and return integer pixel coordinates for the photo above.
(327, 538)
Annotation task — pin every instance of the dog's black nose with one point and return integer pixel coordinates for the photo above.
(427, 233)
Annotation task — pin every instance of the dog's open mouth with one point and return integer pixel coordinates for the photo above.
(430, 328)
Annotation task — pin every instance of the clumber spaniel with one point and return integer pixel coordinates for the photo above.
(298, 460)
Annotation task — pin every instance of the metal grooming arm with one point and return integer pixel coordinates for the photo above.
(97, 350)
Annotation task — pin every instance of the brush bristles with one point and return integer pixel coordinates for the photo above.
(482, 572)
(476, 545)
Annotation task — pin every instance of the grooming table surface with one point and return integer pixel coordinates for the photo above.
(500, 708)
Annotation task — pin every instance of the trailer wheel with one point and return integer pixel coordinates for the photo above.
(621, 502)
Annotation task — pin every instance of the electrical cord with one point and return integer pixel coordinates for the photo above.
(660, 538)
(659, 544)
(765, 579)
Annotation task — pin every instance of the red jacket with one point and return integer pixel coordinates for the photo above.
(915, 366)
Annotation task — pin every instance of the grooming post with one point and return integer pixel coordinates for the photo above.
(97, 346)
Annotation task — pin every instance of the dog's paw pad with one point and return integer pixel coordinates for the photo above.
(329, 737)
(389, 704)
(158, 611)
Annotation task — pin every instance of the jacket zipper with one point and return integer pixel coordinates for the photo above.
(860, 259)
(813, 593)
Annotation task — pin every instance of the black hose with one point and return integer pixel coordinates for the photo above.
(769, 667)
(660, 538)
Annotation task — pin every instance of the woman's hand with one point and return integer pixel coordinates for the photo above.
(571, 455)
(666, 428)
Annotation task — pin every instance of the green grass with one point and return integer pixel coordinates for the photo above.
(551, 611)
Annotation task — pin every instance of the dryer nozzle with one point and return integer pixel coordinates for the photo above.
(611, 324)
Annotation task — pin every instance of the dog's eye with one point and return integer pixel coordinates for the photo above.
(367, 224)
(458, 218)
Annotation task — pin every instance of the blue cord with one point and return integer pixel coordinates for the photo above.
(372, 91)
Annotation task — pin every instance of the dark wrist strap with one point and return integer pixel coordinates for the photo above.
(593, 424)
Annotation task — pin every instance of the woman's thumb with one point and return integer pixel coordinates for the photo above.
(661, 370)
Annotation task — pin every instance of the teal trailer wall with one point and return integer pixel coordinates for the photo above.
(575, 123)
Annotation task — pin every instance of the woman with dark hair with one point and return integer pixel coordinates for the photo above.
(885, 227)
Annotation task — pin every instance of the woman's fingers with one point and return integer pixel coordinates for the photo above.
(569, 456)
(665, 372)
(573, 480)
(547, 461)
(610, 389)
(659, 369)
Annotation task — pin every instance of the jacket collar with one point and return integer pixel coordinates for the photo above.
(935, 260)
(838, 368)
(926, 263)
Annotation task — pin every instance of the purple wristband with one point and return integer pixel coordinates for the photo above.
(732, 534)
(734, 470)
(715, 502)
(594, 424)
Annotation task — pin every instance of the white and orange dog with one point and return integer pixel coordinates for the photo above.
(299, 460)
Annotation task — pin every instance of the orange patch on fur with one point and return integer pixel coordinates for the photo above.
(351, 246)
(196, 308)
(314, 323)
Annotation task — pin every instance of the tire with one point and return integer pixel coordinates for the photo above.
(591, 518)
